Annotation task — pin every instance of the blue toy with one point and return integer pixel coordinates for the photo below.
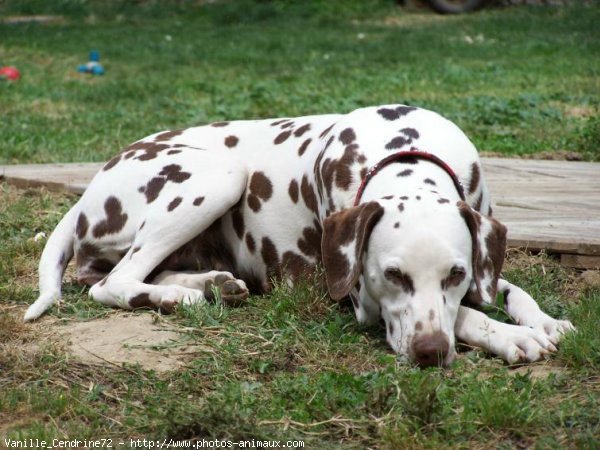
(93, 66)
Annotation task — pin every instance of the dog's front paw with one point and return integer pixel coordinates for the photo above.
(523, 344)
(554, 329)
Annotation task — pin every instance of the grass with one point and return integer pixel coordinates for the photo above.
(518, 81)
(293, 365)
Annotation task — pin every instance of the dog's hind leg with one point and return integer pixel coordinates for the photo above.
(231, 291)
(174, 219)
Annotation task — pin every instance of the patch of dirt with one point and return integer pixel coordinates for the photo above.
(127, 338)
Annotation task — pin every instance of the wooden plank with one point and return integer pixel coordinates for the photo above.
(550, 205)
(73, 177)
(580, 261)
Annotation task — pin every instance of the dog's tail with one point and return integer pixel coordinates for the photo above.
(55, 257)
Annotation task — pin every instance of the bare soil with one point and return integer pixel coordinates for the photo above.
(127, 338)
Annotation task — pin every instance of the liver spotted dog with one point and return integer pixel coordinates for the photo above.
(391, 200)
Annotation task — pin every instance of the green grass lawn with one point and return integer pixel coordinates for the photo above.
(516, 80)
(292, 365)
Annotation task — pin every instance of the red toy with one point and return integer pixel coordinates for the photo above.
(9, 73)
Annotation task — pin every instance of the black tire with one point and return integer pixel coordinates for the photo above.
(456, 6)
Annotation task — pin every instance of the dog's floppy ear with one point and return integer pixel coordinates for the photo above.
(345, 236)
(489, 245)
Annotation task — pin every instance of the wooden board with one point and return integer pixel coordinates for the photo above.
(72, 177)
(549, 205)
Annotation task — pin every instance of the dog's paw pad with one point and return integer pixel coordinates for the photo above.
(231, 291)
(168, 306)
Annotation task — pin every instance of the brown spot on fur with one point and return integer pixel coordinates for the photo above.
(198, 201)
(405, 173)
(112, 163)
(282, 137)
(401, 279)
(231, 141)
(173, 173)
(454, 279)
(219, 124)
(260, 188)
(397, 142)
(329, 141)
(418, 325)
(141, 301)
(397, 225)
(173, 152)
(174, 203)
(153, 188)
(82, 226)
(167, 135)
(278, 122)
(250, 243)
(387, 197)
(443, 200)
(475, 177)
(293, 191)
(401, 207)
(410, 132)
(303, 129)
(115, 218)
(395, 113)
(237, 219)
(310, 242)
(347, 136)
(287, 124)
(151, 150)
(308, 195)
(270, 256)
(304, 146)
(326, 131)
(343, 174)
(429, 181)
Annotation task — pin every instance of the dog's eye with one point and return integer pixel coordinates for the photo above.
(457, 272)
(399, 278)
(455, 277)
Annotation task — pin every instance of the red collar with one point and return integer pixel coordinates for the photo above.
(398, 157)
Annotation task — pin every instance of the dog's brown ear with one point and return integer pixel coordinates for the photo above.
(345, 237)
(489, 245)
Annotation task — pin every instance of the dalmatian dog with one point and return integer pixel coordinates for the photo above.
(390, 200)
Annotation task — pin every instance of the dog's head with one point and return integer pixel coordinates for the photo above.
(418, 263)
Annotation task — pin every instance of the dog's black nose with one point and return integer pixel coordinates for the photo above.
(430, 349)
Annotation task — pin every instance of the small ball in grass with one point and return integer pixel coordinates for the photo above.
(10, 73)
